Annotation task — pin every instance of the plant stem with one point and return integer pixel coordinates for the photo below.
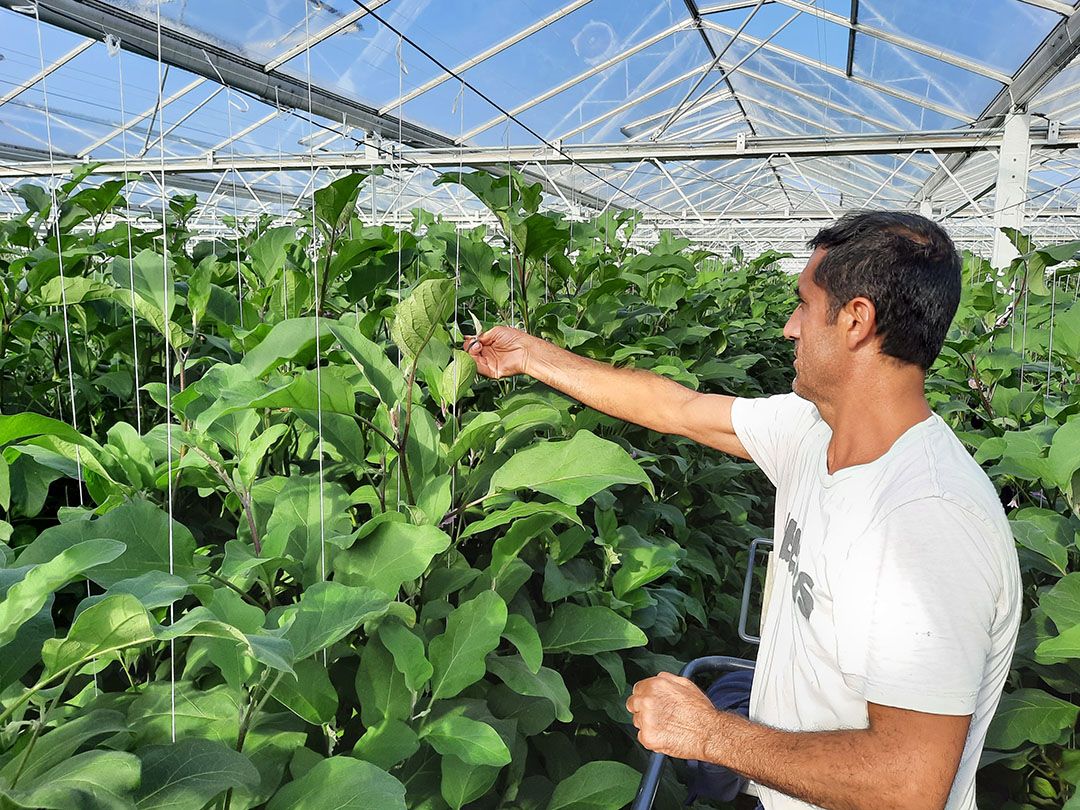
(244, 594)
(243, 497)
(38, 726)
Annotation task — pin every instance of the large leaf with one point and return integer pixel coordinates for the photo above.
(589, 630)
(381, 686)
(393, 554)
(63, 742)
(335, 201)
(1062, 602)
(370, 358)
(27, 597)
(418, 316)
(326, 613)
(187, 774)
(521, 510)
(342, 783)
(112, 624)
(600, 785)
(309, 693)
(545, 683)
(387, 743)
(150, 276)
(1029, 715)
(571, 471)
(472, 631)
(471, 741)
(308, 514)
(408, 651)
(290, 340)
(144, 530)
(1064, 457)
(96, 780)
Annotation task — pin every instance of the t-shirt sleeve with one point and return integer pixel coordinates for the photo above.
(770, 429)
(914, 607)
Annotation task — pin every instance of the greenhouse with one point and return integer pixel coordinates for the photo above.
(423, 405)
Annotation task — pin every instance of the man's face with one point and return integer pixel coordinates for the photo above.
(819, 348)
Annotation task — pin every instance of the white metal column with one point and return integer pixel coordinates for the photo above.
(1012, 180)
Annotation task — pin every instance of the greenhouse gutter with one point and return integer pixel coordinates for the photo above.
(943, 142)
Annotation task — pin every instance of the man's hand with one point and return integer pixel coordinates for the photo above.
(673, 716)
(500, 351)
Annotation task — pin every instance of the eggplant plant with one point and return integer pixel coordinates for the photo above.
(269, 541)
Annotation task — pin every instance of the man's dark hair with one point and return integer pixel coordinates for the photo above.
(906, 265)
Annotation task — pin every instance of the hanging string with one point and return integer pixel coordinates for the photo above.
(402, 70)
(318, 315)
(113, 45)
(54, 215)
(168, 370)
(459, 103)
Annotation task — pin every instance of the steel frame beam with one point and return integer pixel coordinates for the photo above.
(23, 86)
(944, 141)
(1012, 184)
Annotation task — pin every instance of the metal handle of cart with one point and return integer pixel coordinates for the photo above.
(650, 782)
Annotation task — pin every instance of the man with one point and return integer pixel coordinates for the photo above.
(896, 600)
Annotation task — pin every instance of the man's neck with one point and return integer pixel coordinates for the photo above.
(870, 415)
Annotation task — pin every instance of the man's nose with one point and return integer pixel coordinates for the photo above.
(791, 329)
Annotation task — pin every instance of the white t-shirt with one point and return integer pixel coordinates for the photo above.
(896, 582)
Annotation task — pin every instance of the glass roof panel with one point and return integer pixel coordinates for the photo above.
(257, 29)
(362, 62)
(923, 76)
(972, 28)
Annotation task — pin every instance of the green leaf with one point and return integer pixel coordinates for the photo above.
(187, 774)
(114, 623)
(26, 598)
(457, 378)
(1064, 457)
(25, 425)
(387, 743)
(101, 780)
(326, 613)
(1035, 536)
(641, 561)
(290, 340)
(544, 683)
(342, 783)
(1062, 602)
(474, 435)
(381, 686)
(471, 741)
(521, 510)
(1060, 647)
(309, 694)
(571, 471)
(269, 252)
(334, 203)
(306, 511)
(393, 554)
(462, 783)
(520, 632)
(145, 532)
(61, 743)
(1029, 715)
(151, 276)
(408, 651)
(602, 785)
(370, 358)
(588, 630)
(472, 631)
(418, 316)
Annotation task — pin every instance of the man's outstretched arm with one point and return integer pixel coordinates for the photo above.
(905, 760)
(633, 395)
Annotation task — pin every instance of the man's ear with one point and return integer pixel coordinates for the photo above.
(860, 321)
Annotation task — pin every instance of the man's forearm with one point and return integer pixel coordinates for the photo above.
(633, 395)
(839, 770)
